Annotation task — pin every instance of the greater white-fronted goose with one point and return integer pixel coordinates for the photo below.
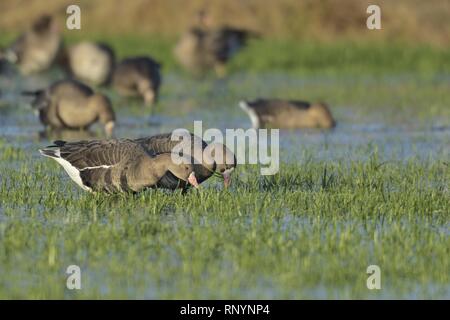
(69, 104)
(209, 159)
(117, 166)
(138, 76)
(90, 62)
(203, 48)
(284, 114)
(37, 48)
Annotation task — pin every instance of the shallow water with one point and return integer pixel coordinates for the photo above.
(371, 116)
(215, 102)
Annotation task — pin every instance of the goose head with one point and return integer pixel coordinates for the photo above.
(105, 112)
(225, 161)
(183, 171)
(322, 115)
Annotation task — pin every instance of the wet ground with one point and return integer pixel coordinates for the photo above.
(398, 118)
(398, 132)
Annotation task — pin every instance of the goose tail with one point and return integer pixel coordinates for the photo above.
(51, 153)
(54, 150)
(244, 105)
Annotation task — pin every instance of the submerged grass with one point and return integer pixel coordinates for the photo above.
(310, 231)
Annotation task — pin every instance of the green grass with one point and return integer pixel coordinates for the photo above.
(374, 191)
(303, 57)
(310, 231)
(308, 58)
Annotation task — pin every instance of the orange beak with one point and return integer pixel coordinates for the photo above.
(193, 180)
(226, 179)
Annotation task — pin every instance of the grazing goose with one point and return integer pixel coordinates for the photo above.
(139, 76)
(285, 114)
(69, 104)
(203, 48)
(36, 49)
(90, 62)
(117, 165)
(209, 159)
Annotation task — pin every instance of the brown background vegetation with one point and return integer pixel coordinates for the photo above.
(324, 20)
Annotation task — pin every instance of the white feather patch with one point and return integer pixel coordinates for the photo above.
(251, 113)
(73, 172)
(103, 166)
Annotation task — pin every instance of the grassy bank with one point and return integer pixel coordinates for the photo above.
(305, 57)
(413, 21)
(295, 57)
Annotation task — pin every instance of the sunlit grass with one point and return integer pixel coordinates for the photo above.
(294, 57)
(310, 231)
(374, 191)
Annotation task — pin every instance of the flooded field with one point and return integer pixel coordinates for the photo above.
(374, 190)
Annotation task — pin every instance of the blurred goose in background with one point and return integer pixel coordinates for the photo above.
(116, 165)
(203, 48)
(69, 104)
(36, 49)
(284, 114)
(138, 76)
(66, 135)
(90, 62)
(209, 159)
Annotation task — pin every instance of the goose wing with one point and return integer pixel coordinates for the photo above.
(163, 143)
(90, 163)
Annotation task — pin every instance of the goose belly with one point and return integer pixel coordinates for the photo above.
(170, 181)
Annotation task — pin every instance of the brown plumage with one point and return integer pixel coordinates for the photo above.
(37, 48)
(69, 104)
(90, 62)
(200, 50)
(117, 165)
(204, 48)
(139, 76)
(284, 114)
(209, 159)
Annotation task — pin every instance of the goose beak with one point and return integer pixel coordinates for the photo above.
(149, 98)
(193, 180)
(109, 129)
(226, 179)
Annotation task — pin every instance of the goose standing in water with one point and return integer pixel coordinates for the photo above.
(90, 62)
(36, 49)
(116, 165)
(69, 104)
(203, 48)
(284, 114)
(209, 159)
(139, 76)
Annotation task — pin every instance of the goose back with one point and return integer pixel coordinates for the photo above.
(36, 49)
(113, 165)
(138, 76)
(91, 62)
(163, 143)
(71, 104)
(289, 114)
